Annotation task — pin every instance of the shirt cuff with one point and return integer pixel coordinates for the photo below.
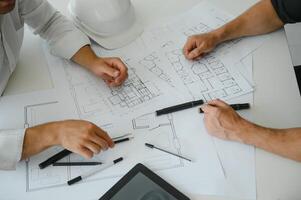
(69, 44)
(11, 146)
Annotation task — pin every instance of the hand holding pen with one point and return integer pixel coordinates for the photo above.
(53, 160)
(222, 121)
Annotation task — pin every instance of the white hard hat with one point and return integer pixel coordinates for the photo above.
(110, 23)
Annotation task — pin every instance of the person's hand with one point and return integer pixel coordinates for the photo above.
(78, 136)
(112, 70)
(197, 46)
(222, 121)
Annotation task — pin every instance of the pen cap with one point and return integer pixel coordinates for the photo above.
(118, 160)
(244, 106)
(241, 106)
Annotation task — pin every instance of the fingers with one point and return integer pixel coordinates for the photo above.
(107, 78)
(218, 102)
(96, 139)
(104, 135)
(82, 137)
(99, 136)
(189, 46)
(86, 153)
(94, 144)
(116, 63)
(95, 148)
(208, 108)
(196, 52)
(213, 106)
(194, 47)
(100, 142)
(110, 71)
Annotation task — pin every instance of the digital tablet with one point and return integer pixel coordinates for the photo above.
(140, 183)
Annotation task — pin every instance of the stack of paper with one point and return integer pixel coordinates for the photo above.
(159, 76)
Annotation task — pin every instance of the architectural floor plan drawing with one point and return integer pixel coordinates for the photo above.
(153, 64)
(93, 97)
(207, 78)
(133, 92)
(145, 128)
(162, 133)
(196, 29)
(203, 28)
(35, 178)
(159, 77)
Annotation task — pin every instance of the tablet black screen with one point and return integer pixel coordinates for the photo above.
(141, 187)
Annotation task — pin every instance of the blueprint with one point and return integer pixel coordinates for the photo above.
(208, 78)
(141, 92)
(159, 76)
(217, 75)
(144, 128)
(202, 18)
(41, 107)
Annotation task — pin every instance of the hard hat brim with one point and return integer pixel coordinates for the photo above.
(114, 41)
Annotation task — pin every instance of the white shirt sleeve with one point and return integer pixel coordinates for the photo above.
(11, 145)
(62, 36)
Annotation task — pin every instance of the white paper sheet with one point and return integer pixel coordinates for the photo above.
(31, 182)
(81, 95)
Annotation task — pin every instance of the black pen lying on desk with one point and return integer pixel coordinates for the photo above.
(64, 153)
(63, 164)
(154, 147)
(241, 106)
(54, 158)
(94, 171)
(179, 107)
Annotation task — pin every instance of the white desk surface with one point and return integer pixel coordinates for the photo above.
(277, 100)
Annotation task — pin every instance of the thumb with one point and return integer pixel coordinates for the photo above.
(197, 51)
(111, 71)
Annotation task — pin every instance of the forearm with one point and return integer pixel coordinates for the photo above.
(63, 38)
(259, 19)
(37, 139)
(284, 142)
(85, 57)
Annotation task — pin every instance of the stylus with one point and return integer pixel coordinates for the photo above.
(94, 171)
(154, 147)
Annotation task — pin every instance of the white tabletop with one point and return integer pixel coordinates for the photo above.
(277, 102)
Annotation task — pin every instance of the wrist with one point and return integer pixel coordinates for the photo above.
(37, 139)
(85, 57)
(241, 132)
(220, 35)
(54, 133)
(96, 63)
